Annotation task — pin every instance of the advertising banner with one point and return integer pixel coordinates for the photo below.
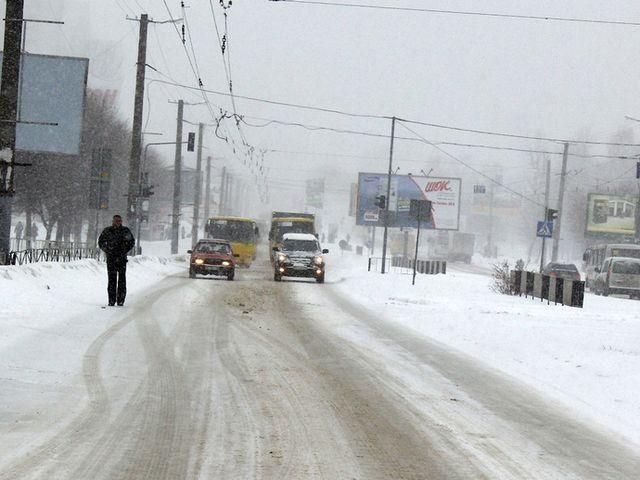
(443, 192)
(52, 89)
(315, 192)
(611, 214)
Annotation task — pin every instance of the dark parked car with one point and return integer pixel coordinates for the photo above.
(568, 271)
(212, 257)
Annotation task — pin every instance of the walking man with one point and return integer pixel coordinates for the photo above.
(115, 241)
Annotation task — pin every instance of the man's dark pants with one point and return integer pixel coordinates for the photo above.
(117, 287)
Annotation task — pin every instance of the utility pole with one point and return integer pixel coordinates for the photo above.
(136, 132)
(546, 209)
(8, 114)
(207, 193)
(222, 187)
(177, 178)
(386, 207)
(558, 222)
(490, 239)
(198, 188)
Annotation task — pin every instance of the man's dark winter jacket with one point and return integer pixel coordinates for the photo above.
(116, 242)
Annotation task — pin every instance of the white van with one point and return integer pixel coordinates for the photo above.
(618, 275)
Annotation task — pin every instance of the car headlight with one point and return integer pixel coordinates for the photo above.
(225, 263)
(199, 261)
(319, 260)
(281, 257)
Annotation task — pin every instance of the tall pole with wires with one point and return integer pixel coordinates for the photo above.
(8, 114)
(177, 179)
(561, 216)
(136, 131)
(385, 212)
(198, 188)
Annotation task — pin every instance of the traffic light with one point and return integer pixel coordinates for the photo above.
(147, 191)
(381, 201)
(551, 215)
(191, 141)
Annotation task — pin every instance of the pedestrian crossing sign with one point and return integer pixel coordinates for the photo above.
(545, 229)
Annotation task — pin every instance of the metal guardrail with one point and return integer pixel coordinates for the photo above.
(54, 254)
(429, 267)
(552, 289)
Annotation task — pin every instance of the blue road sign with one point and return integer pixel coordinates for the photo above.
(638, 170)
(545, 229)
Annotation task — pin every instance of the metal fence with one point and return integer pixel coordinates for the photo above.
(51, 254)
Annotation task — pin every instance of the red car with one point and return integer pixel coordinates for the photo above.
(212, 257)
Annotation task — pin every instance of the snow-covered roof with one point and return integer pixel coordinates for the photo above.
(299, 236)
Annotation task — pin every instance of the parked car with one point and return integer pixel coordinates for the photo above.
(618, 275)
(299, 255)
(568, 271)
(212, 257)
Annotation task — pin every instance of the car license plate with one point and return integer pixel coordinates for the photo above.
(298, 265)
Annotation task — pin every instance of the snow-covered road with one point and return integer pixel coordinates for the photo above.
(256, 379)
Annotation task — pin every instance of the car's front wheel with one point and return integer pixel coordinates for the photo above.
(192, 273)
(276, 277)
(320, 279)
(231, 275)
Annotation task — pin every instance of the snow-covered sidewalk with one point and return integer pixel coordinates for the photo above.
(589, 358)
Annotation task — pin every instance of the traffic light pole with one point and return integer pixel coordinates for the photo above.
(388, 199)
(140, 187)
(198, 188)
(546, 210)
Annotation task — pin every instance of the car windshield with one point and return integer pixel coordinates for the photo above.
(300, 246)
(236, 230)
(292, 227)
(625, 252)
(561, 267)
(626, 267)
(210, 247)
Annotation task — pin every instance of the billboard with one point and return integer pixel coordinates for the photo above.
(315, 192)
(443, 192)
(611, 214)
(52, 90)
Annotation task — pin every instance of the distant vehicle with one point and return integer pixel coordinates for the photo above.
(618, 275)
(568, 271)
(289, 222)
(241, 232)
(462, 247)
(299, 255)
(595, 256)
(453, 247)
(212, 257)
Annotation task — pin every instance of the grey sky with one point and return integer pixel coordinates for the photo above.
(529, 77)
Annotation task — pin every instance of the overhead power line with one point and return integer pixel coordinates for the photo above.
(269, 122)
(465, 164)
(513, 135)
(548, 18)
(386, 117)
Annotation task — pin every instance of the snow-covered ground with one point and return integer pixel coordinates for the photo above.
(589, 358)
